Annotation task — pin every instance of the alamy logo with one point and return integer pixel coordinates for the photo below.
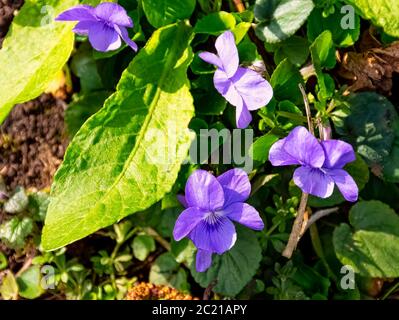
(349, 18)
(348, 279)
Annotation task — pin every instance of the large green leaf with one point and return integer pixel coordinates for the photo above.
(82, 107)
(235, 268)
(295, 49)
(383, 13)
(127, 156)
(318, 23)
(370, 127)
(280, 19)
(391, 163)
(259, 150)
(215, 23)
(372, 249)
(162, 12)
(35, 49)
(285, 80)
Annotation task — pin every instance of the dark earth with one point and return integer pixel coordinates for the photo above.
(32, 143)
(7, 9)
(32, 139)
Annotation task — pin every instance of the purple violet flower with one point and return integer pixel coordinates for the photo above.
(242, 87)
(321, 163)
(105, 25)
(211, 206)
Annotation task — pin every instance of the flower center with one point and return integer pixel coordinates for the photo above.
(213, 217)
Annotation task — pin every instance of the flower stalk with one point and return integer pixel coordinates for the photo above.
(296, 232)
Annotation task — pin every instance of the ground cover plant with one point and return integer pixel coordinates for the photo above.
(199, 149)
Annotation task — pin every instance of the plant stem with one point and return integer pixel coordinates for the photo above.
(307, 108)
(296, 228)
(295, 235)
(151, 232)
(239, 5)
(318, 215)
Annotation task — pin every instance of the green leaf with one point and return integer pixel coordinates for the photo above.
(371, 249)
(295, 48)
(210, 5)
(259, 150)
(84, 66)
(318, 23)
(183, 251)
(126, 157)
(142, 246)
(370, 127)
(199, 66)
(280, 19)
(14, 231)
(29, 283)
(247, 50)
(323, 51)
(3, 261)
(163, 12)
(82, 107)
(18, 202)
(323, 56)
(207, 100)
(37, 47)
(9, 287)
(215, 23)
(240, 31)
(235, 268)
(38, 205)
(285, 80)
(289, 115)
(391, 163)
(383, 13)
(166, 271)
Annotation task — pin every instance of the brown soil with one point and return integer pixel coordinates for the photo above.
(7, 10)
(32, 140)
(32, 143)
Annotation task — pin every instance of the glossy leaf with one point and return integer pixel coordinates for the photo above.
(383, 13)
(163, 12)
(215, 23)
(371, 249)
(280, 19)
(50, 44)
(127, 156)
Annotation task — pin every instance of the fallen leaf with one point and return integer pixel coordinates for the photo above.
(372, 69)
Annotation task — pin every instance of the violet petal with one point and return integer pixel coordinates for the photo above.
(204, 191)
(244, 214)
(338, 154)
(217, 237)
(314, 181)
(186, 222)
(203, 260)
(236, 186)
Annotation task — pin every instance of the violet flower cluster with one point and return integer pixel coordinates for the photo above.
(212, 204)
(242, 87)
(105, 25)
(321, 163)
